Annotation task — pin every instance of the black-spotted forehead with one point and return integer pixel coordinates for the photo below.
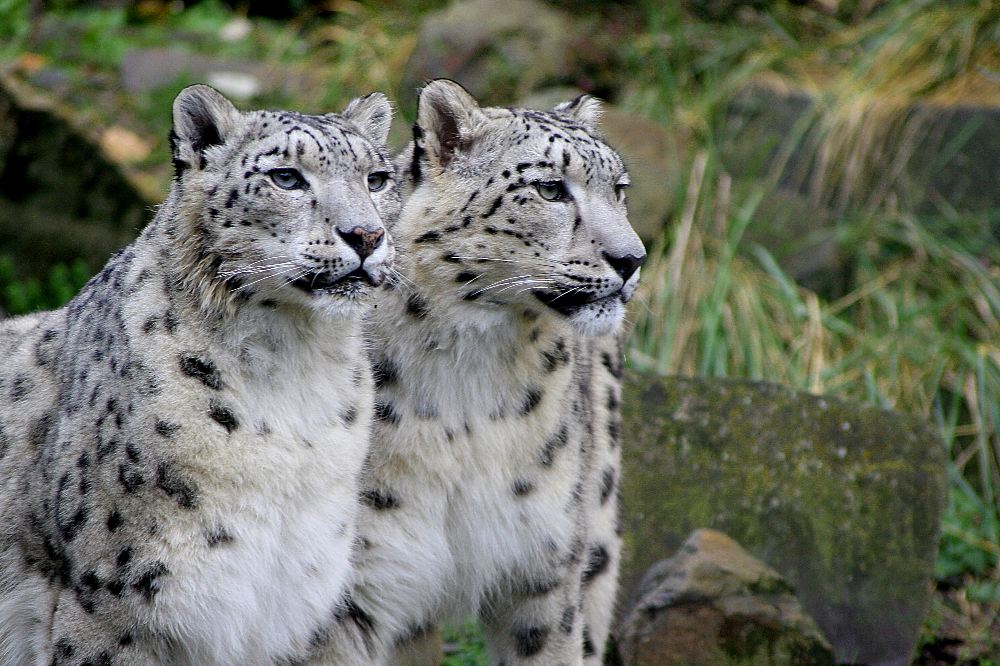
(566, 144)
(323, 142)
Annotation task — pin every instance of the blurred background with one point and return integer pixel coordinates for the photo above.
(817, 182)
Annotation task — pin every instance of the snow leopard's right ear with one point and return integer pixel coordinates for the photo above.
(372, 114)
(447, 118)
(202, 118)
(584, 109)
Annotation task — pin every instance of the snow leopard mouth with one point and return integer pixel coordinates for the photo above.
(569, 303)
(320, 282)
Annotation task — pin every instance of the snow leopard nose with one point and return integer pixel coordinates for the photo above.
(362, 241)
(625, 265)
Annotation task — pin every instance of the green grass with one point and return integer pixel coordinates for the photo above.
(22, 296)
(916, 331)
(464, 644)
(916, 327)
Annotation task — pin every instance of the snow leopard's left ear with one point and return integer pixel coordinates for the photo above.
(447, 120)
(372, 114)
(585, 109)
(202, 118)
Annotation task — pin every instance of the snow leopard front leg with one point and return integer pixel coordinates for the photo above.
(539, 617)
(602, 556)
(82, 636)
(538, 623)
(401, 561)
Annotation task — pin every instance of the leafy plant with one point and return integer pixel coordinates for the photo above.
(14, 26)
(464, 644)
(21, 296)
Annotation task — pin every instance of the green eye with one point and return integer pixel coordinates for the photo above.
(377, 181)
(287, 179)
(551, 190)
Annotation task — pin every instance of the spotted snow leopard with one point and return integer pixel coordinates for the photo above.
(180, 445)
(491, 486)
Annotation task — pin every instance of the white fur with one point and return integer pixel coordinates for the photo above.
(492, 517)
(232, 541)
(290, 510)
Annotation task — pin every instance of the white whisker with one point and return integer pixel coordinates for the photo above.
(253, 264)
(523, 283)
(256, 270)
(293, 279)
(270, 275)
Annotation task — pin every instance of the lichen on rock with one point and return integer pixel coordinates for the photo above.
(842, 499)
(714, 603)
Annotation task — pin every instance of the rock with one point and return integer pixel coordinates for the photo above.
(60, 196)
(714, 603)
(652, 154)
(143, 70)
(236, 30)
(842, 499)
(500, 50)
(237, 85)
(949, 158)
(121, 144)
(802, 237)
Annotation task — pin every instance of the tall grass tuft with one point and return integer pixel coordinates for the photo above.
(881, 84)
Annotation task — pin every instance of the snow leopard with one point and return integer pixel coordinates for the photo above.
(180, 445)
(491, 487)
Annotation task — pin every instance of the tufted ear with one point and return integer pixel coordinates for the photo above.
(372, 114)
(202, 117)
(447, 117)
(585, 109)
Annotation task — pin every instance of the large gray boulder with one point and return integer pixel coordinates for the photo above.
(714, 603)
(930, 153)
(843, 500)
(500, 50)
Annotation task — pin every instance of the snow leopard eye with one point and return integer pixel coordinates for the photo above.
(620, 190)
(287, 179)
(377, 181)
(551, 190)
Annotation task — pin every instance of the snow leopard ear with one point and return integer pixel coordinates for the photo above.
(202, 118)
(447, 118)
(585, 109)
(372, 114)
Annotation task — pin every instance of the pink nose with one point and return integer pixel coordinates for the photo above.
(361, 241)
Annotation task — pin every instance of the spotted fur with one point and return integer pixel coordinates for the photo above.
(498, 376)
(181, 443)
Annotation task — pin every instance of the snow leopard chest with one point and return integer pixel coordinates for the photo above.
(492, 459)
(278, 516)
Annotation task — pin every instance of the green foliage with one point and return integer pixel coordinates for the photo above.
(14, 26)
(972, 532)
(916, 325)
(30, 295)
(464, 644)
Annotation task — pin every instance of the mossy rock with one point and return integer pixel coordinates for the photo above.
(714, 603)
(61, 198)
(842, 499)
